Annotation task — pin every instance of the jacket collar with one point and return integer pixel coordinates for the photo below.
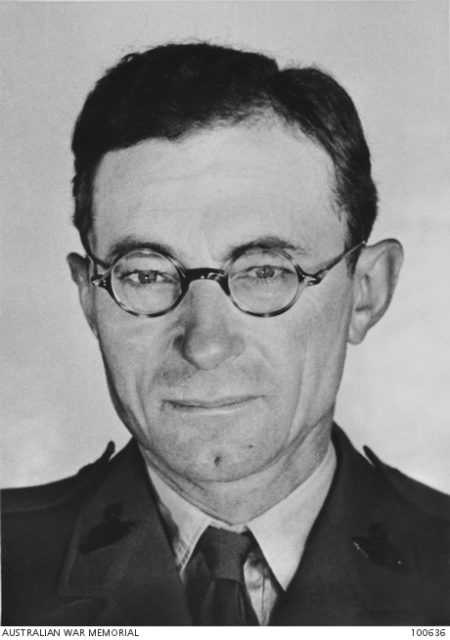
(358, 566)
(119, 555)
(356, 569)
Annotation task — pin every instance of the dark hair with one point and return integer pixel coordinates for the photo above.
(173, 90)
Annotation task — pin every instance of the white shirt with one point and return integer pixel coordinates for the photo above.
(280, 532)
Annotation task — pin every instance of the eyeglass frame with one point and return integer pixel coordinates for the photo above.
(187, 276)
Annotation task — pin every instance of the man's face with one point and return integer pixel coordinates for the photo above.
(212, 393)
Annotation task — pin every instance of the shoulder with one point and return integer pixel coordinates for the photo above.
(399, 527)
(419, 497)
(28, 500)
(377, 483)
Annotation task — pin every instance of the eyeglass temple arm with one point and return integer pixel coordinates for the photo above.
(315, 278)
(99, 280)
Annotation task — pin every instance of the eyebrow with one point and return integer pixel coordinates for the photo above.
(263, 242)
(133, 243)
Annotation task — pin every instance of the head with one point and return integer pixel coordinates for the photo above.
(200, 151)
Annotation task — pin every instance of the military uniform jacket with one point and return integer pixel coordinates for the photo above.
(92, 550)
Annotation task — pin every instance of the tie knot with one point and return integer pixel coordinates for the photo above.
(225, 552)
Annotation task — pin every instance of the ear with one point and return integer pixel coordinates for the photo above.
(375, 277)
(79, 269)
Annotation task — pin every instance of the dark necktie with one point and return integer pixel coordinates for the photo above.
(220, 598)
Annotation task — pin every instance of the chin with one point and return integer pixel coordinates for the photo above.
(205, 464)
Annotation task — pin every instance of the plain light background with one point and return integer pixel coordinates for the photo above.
(393, 59)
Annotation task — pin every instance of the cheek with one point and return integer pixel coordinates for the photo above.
(324, 341)
(308, 344)
(130, 345)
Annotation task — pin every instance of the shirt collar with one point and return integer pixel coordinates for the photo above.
(281, 531)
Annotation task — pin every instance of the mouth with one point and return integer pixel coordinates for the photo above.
(228, 403)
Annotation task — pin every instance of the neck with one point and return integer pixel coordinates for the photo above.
(239, 501)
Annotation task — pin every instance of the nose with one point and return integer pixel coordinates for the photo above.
(210, 336)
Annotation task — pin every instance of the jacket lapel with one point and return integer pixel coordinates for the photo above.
(357, 567)
(119, 568)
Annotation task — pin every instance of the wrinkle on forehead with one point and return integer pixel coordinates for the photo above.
(219, 174)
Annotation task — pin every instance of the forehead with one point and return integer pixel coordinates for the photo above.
(224, 186)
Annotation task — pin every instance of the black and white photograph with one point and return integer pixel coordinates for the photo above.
(225, 312)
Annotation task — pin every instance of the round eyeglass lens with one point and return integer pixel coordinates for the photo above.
(145, 282)
(263, 281)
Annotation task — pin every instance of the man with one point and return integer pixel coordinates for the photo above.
(224, 206)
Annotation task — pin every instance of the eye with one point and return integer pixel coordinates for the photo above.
(266, 273)
(147, 277)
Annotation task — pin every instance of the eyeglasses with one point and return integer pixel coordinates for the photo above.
(262, 282)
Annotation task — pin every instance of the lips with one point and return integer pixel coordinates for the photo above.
(211, 403)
